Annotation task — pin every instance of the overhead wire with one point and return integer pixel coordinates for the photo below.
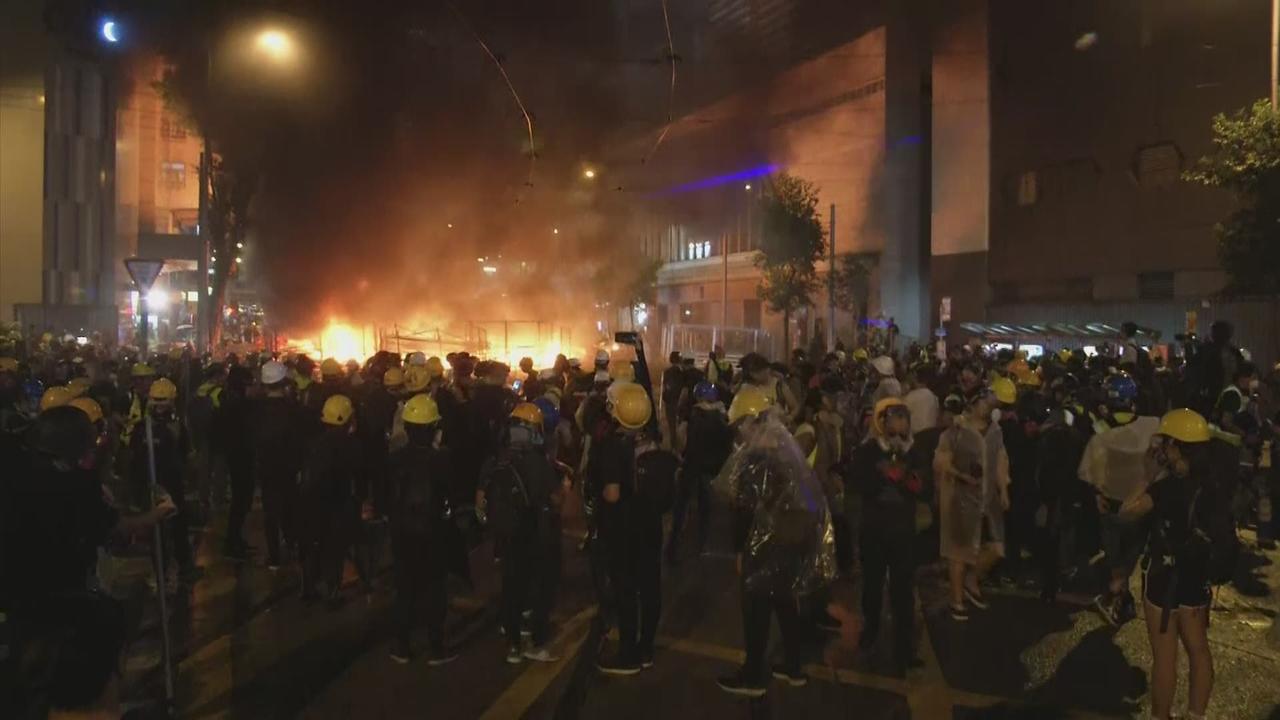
(671, 94)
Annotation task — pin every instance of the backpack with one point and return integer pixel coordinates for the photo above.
(507, 497)
(1214, 531)
(655, 479)
(415, 498)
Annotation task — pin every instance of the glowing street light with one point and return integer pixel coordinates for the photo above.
(275, 44)
(747, 186)
(555, 231)
(589, 174)
(110, 31)
(157, 298)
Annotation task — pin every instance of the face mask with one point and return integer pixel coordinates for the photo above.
(1253, 385)
(995, 415)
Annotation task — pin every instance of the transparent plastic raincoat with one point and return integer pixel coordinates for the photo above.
(966, 508)
(782, 524)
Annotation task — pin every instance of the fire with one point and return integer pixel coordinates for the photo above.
(346, 342)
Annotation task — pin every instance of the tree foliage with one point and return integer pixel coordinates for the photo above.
(1246, 162)
(792, 241)
(852, 284)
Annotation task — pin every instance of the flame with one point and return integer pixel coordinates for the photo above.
(346, 342)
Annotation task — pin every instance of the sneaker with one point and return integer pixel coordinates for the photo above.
(400, 655)
(619, 666)
(646, 660)
(1105, 608)
(959, 613)
(514, 656)
(739, 685)
(540, 654)
(441, 657)
(975, 599)
(794, 678)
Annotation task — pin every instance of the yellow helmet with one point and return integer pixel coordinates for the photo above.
(141, 369)
(877, 417)
(163, 390)
(622, 370)
(330, 368)
(1004, 390)
(750, 401)
(8, 364)
(1018, 367)
(421, 409)
(56, 396)
(1030, 378)
(337, 410)
(1184, 425)
(89, 406)
(416, 377)
(529, 413)
(1065, 355)
(435, 367)
(861, 355)
(630, 406)
(78, 386)
(175, 353)
(393, 377)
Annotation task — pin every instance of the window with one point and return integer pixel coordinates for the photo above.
(1157, 166)
(1027, 188)
(692, 250)
(1155, 286)
(172, 129)
(173, 175)
(706, 248)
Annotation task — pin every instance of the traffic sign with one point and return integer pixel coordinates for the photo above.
(144, 272)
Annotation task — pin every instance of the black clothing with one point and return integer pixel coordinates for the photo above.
(758, 610)
(331, 501)
(278, 444)
(171, 447)
(1177, 561)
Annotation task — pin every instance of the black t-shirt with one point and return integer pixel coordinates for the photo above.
(54, 523)
(1172, 535)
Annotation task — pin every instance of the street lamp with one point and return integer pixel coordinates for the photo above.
(589, 174)
(275, 44)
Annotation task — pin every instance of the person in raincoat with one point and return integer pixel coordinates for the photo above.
(972, 470)
(782, 534)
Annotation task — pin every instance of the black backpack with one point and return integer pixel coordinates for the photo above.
(1213, 529)
(655, 478)
(507, 500)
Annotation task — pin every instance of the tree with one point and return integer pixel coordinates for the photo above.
(793, 239)
(853, 286)
(1246, 162)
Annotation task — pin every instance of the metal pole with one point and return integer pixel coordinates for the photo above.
(831, 281)
(724, 291)
(158, 540)
(142, 329)
(1275, 53)
(202, 265)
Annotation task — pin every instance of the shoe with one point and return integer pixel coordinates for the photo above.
(400, 655)
(959, 613)
(646, 660)
(739, 685)
(273, 566)
(975, 600)
(540, 654)
(441, 657)
(514, 656)
(794, 678)
(619, 666)
(1105, 608)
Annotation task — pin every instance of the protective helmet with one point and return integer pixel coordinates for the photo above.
(337, 410)
(416, 377)
(1184, 425)
(1121, 390)
(273, 372)
(330, 368)
(750, 401)
(435, 367)
(8, 364)
(352, 366)
(1065, 355)
(78, 385)
(89, 406)
(860, 355)
(175, 353)
(32, 389)
(883, 365)
(1018, 367)
(622, 371)
(884, 407)
(630, 406)
(526, 365)
(393, 377)
(575, 363)
(56, 396)
(602, 359)
(1030, 378)
(527, 412)
(141, 369)
(163, 390)
(1004, 390)
(706, 392)
(421, 409)
(416, 358)
(550, 412)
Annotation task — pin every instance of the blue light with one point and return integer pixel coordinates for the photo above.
(718, 180)
(110, 31)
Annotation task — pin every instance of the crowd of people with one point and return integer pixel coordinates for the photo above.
(1032, 471)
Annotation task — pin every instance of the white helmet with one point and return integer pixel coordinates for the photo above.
(883, 365)
(273, 372)
(602, 357)
(417, 358)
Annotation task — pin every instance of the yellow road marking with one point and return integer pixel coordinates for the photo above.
(529, 686)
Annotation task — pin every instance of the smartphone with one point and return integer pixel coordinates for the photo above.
(517, 384)
(626, 337)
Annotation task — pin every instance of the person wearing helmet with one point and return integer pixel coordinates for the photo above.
(1192, 545)
(170, 447)
(971, 468)
(141, 375)
(673, 385)
(231, 428)
(885, 379)
(1113, 467)
(514, 497)
(419, 482)
(330, 500)
(1019, 434)
(707, 442)
(633, 487)
(210, 466)
(888, 471)
(277, 444)
(756, 372)
(719, 371)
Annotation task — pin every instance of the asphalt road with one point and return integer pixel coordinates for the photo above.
(246, 647)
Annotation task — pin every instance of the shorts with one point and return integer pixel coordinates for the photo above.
(1122, 540)
(1192, 591)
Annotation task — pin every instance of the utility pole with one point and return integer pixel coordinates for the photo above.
(831, 279)
(724, 287)
(202, 265)
(1275, 53)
